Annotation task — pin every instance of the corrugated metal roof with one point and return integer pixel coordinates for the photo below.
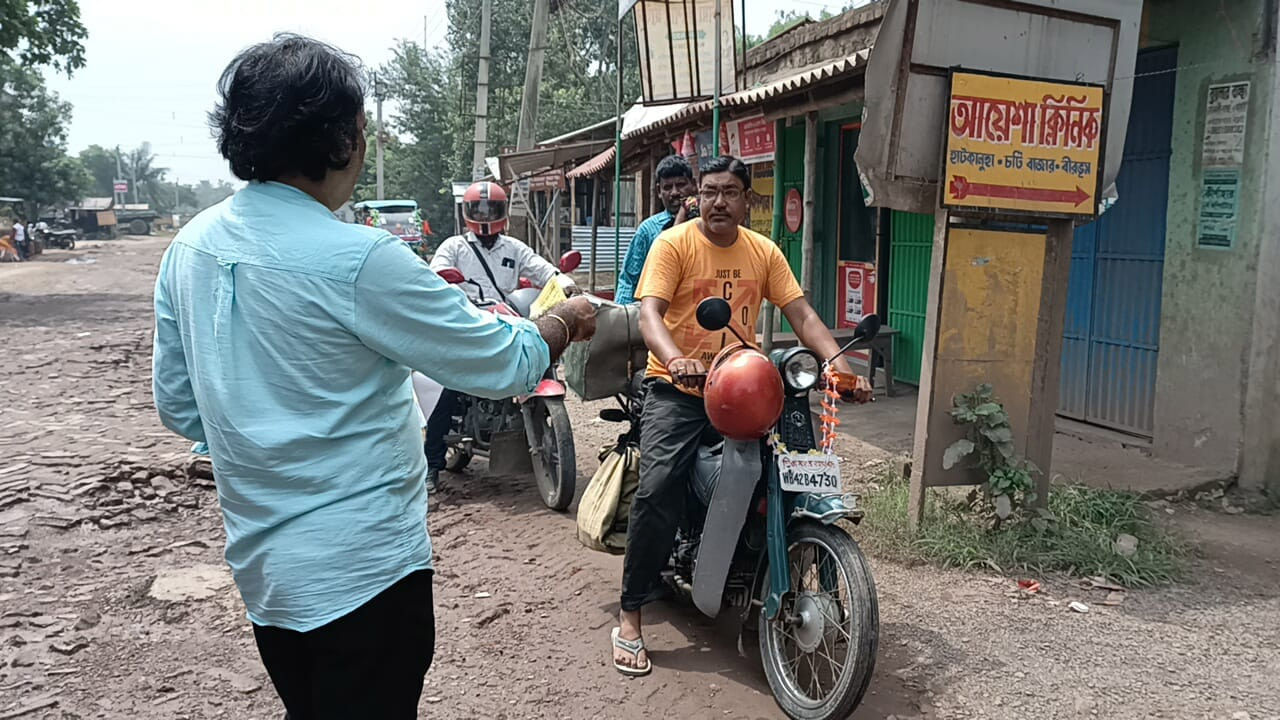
(781, 86)
(799, 80)
(573, 134)
(525, 163)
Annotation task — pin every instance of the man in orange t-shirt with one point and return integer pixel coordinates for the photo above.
(713, 256)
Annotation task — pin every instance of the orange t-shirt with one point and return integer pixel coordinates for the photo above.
(684, 268)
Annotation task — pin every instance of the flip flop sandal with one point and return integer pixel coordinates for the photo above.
(633, 647)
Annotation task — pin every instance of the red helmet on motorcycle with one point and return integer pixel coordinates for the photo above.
(743, 393)
(484, 208)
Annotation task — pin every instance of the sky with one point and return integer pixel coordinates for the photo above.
(151, 68)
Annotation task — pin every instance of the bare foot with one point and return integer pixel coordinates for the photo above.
(629, 629)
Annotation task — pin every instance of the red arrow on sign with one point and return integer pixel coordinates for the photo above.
(961, 188)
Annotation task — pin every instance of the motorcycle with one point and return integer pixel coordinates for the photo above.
(60, 236)
(529, 432)
(759, 535)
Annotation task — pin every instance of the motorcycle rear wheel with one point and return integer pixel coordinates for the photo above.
(455, 459)
(820, 651)
(556, 466)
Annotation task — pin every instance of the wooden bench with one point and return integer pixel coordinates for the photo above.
(880, 348)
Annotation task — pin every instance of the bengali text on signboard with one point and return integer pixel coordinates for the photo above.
(1019, 145)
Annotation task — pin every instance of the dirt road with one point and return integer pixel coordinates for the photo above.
(114, 601)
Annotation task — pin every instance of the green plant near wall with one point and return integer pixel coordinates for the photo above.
(988, 447)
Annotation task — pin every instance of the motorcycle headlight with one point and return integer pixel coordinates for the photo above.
(800, 370)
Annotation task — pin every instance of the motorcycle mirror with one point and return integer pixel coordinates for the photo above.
(570, 261)
(865, 331)
(451, 275)
(868, 328)
(714, 313)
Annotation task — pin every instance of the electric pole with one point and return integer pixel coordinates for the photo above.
(133, 171)
(533, 76)
(377, 92)
(482, 93)
(118, 196)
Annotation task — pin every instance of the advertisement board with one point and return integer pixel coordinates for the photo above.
(855, 296)
(678, 48)
(751, 139)
(1023, 146)
(760, 199)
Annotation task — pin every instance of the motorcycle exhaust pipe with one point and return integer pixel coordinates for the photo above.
(683, 585)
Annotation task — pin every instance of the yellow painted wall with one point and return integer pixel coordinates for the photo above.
(991, 293)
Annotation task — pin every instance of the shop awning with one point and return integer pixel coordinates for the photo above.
(594, 165)
(530, 162)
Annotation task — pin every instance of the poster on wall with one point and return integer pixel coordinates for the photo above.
(677, 49)
(1225, 119)
(855, 297)
(1219, 208)
(707, 149)
(760, 199)
(752, 139)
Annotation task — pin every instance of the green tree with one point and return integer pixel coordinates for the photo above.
(173, 197)
(421, 165)
(146, 180)
(787, 19)
(101, 164)
(207, 194)
(41, 32)
(33, 138)
(435, 93)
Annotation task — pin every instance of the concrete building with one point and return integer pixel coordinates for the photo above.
(1171, 339)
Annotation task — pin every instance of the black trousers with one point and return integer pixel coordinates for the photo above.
(671, 428)
(366, 664)
(438, 427)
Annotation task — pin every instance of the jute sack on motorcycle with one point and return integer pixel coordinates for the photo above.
(602, 367)
(605, 507)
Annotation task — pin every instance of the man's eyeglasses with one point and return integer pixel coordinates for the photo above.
(709, 195)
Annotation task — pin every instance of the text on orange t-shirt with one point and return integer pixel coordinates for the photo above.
(684, 267)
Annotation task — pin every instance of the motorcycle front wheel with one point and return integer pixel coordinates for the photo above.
(820, 651)
(556, 465)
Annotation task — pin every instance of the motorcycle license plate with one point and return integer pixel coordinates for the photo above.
(811, 473)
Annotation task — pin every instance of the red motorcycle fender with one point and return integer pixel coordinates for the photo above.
(548, 388)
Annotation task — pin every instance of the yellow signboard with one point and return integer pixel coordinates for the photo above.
(1020, 145)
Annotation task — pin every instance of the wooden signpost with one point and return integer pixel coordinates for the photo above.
(1021, 165)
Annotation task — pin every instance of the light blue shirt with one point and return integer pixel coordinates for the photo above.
(625, 293)
(284, 340)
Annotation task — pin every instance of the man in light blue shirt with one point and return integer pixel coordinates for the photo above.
(284, 340)
(673, 180)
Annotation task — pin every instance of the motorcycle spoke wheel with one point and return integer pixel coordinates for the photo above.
(819, 652)
(555, 467)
